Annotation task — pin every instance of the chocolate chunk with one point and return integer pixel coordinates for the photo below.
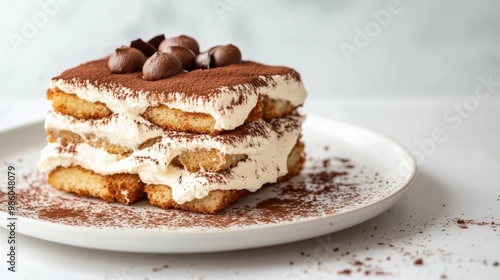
(202, 61)
(225, 55)
(160, 66)
(182, 40)
(146, 48)
(185, 55)
(126, 60)
(155, 41)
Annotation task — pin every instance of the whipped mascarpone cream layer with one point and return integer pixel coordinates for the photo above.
(128, 131)
(267, 145)
(227, 93)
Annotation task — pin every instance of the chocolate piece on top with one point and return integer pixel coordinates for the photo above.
(155, 41)
(126, 60)
(181, 40)
(202, 61)
(160, 66)
(185, 55)
(146, 48)
(225, 55)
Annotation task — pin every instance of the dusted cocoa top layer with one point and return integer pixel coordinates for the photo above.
(196, 83)
(228, 93)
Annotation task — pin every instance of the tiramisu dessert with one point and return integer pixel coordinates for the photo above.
(188, 129)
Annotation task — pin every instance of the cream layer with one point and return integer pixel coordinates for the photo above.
(267, 145)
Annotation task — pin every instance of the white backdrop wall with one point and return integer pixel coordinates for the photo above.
(342, 48)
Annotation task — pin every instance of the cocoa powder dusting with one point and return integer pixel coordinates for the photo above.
(197, 83)
(69, 149)
(322, 189)
(60, 213)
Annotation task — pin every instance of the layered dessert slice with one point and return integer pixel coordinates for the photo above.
(189, 130)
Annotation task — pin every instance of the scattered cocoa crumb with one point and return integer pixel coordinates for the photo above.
(419, 261)
(461, 223)
(358, 263)
(155, 269)
(345, 272)
(465, 223)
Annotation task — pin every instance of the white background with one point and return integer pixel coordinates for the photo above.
(425, 48)
(417, 74)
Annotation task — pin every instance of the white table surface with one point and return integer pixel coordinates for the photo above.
(458, 179)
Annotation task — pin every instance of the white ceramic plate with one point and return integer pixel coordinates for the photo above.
(351, 175)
